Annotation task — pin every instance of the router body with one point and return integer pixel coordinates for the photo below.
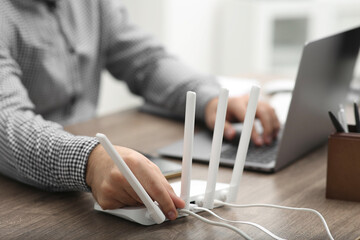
(141, 215)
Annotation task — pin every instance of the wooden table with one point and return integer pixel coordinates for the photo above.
(29, 213)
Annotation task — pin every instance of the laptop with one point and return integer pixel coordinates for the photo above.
(323, 81)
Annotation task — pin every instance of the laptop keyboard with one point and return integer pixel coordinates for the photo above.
(264, 154)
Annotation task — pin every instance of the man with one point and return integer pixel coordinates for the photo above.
(51, 55)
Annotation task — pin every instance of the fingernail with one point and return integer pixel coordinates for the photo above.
(268, 140)
(171, 215)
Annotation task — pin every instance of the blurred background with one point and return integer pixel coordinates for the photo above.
(234, 38)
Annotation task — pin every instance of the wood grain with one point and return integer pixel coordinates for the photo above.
(29, 213)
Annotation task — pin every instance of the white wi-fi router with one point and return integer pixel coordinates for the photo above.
(200, 192)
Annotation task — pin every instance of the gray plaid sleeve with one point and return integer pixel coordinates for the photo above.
(32, 150)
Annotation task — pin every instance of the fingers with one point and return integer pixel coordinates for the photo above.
(160, 194)
(229, 131)
(238, 109)
(210, 113)
(179, 203)
(160, 190)
(155, 184)
(210, 116)
(256, 138)
(236, 112)
(269, 122)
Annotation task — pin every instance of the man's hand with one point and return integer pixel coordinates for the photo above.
(111, 190)
(236, 113)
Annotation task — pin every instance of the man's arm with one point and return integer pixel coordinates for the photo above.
(40, 153)
(164, 80)
(33, 150)
(149, 71)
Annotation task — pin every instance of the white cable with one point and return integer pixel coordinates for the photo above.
(241, 222)
(280, 207)
(220, 224)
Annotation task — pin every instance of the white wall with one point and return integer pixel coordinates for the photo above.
(267, 36)
(186, 28)
(115, 96)
(232, 37)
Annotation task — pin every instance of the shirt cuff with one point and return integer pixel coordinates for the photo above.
(73, 158)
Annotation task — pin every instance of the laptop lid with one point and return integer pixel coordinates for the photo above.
(323, 81)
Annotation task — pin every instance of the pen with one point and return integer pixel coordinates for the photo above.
(342, 118)
(336, 123)
(357, 119)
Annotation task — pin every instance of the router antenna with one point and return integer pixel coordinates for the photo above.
(154, 211)
(243, 144)
(216, 149)
(188, 148)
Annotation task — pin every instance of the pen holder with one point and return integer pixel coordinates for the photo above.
(343, 169)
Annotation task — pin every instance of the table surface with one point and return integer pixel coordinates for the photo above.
(29, 213)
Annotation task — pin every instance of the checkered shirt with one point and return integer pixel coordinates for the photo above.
(51, 57)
